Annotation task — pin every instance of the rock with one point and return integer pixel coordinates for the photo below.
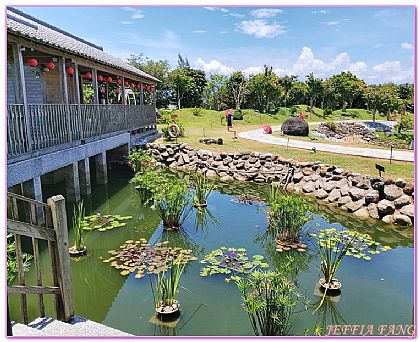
(297, 177)
(402, 220)
(385, 207)
(329, 186)
(185, 158)
(402, 201)
(409, 189)
(392, 192)
(322, 171)
(373, 210)
(321, 194)
(408, 210)
(308, 187)
(338, 171)
(362, 213)
(226, 178)
(353, 206)
(400, 182)
(356, 194)
(295, 126)
(364, 184)
(306, 171)
(388, 219)
(239, 177)
(372, 196)
(344, 200)
(211, 173)
(259, 179)
(334, 195)
(240, 165)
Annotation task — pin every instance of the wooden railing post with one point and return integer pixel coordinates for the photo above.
(65, 95)
(59, 218)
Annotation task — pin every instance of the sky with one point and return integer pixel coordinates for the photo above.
(375, 43)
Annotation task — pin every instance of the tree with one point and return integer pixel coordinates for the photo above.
(315, 89)
(158, 69)
(237, 84)
(180, 83)
(347, 88)
(213, 93)
(287, 83)
(183, 62)
(298, 94)
(381, 98)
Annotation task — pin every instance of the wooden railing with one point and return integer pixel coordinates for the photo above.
(40, 221)
(41, 126)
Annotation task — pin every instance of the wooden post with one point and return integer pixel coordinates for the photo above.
(59, 217)
(20, 74)
(95, 86)
(9, 323)
(65, 95)
(77, 99)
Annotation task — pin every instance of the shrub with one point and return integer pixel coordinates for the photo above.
(237, 115)
(138, 160)
(328, 112)
(196, 111)
(268, 298)
(294, 110)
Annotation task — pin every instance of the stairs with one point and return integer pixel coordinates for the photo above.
(77, 326)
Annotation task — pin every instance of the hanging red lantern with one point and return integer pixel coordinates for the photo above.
(131, 85)
(118, 81)
(126, 83)
(32, 62)
(87, 75)
(109, 79)
(70, 70)
(152, 89)
(137, 86)
(50, 65)
(100, 78)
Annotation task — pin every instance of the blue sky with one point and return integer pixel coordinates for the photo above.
(375, 43)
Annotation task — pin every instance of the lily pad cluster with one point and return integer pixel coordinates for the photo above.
(362, 246)
(143, 258)
(284, 246)
(104, 222)
(230, 261)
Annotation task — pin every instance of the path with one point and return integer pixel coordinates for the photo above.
(377, 153)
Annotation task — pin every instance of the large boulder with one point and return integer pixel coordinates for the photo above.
(295, 126)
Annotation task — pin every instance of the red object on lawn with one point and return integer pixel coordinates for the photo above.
(302, 115)
(267, 129)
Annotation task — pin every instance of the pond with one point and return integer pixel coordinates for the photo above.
(376, 292)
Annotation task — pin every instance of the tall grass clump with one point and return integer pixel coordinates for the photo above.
(269, 299)
(79, 233)
(286, 214)
(203, 188)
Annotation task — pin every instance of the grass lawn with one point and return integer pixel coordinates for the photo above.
(208, 124)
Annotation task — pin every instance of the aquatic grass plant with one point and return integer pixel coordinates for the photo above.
(12, 261)
(287, 213)
(230, 261)
(78, 226)
(269, 299)
(140, 161)
(203, 188)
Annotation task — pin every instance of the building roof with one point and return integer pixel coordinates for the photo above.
(30, 27)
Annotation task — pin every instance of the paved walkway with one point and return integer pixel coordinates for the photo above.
(259, 135)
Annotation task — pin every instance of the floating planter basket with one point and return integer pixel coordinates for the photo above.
(77, 252)
(168, 311)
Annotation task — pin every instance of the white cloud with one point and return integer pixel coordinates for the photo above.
(320, 12)
(393, 71)
(223, 32)
(330, 23)
(199, 31)
(260, 28)
(210, 8)
(407, 46)
(136, 13)
(126, 22)
(224, 10)
(236, 15)
(253, 70)
(378, 45)
(266, 12)
(213, 67)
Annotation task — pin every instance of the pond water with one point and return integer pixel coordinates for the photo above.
(380, 291)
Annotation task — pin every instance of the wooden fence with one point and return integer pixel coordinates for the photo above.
(40, 126)
(40, 221)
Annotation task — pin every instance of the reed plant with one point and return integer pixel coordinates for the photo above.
(78, 225)
(203, 188)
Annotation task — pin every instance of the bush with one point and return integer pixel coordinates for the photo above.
(328, 112)
(196, 111)
(294, 110)
(237, 115)
(138, 160)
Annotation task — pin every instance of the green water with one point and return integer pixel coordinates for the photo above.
(380, 291)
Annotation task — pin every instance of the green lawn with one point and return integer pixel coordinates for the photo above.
(208, 124)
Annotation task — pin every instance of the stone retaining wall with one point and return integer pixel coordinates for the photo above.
(364, 196)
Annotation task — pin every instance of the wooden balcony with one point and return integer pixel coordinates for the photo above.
(40, 127)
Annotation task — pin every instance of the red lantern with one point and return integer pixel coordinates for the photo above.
(137, 86)
(70, 70)
(100, 78)
(152, 89)
(32, 62)
(126, 83)
(118, 81)
(87, 75)
(131, 85)
(109, 79)
(50, 65)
